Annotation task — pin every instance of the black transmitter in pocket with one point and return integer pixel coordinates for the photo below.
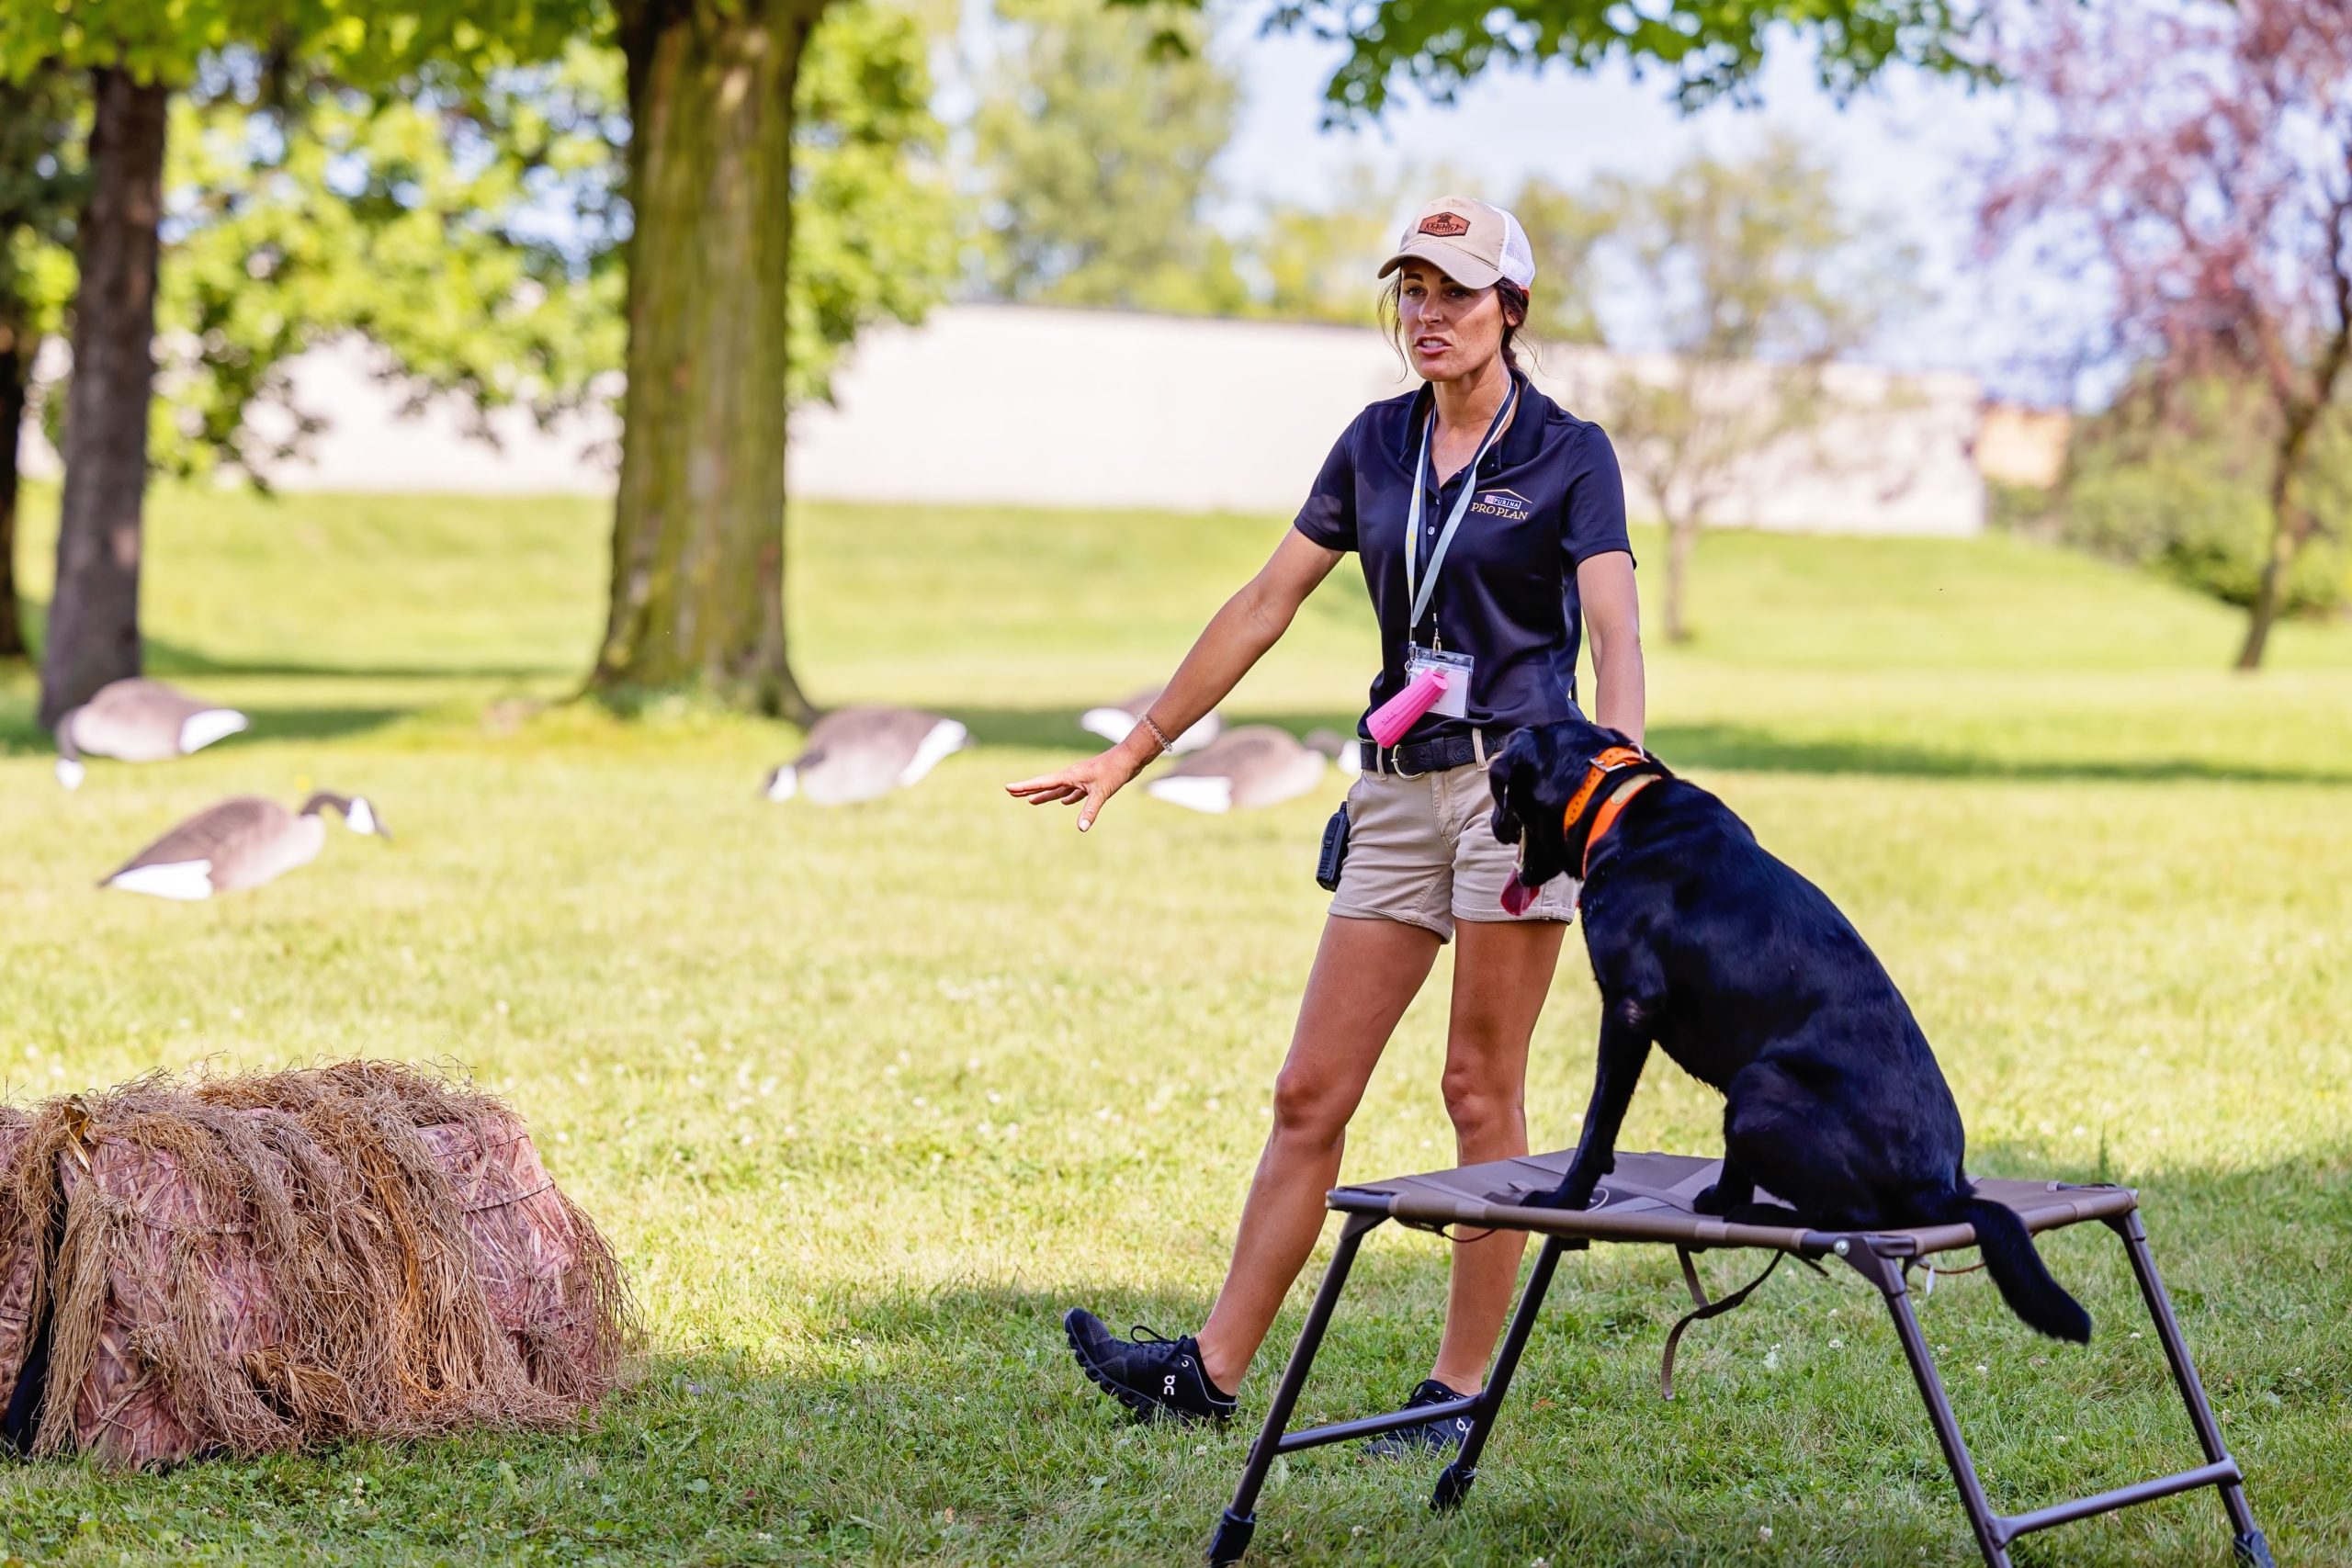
(1334, 857)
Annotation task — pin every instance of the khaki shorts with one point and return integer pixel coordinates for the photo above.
(1420, 851)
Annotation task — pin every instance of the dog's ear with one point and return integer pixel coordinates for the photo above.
(1513, 770)
(1513, 767)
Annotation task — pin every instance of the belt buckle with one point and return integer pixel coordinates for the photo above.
(1396, 764)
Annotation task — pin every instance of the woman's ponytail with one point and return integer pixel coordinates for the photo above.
(1514, 300)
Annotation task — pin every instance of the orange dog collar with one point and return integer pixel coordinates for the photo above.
(1616, 759)
(1607, 818)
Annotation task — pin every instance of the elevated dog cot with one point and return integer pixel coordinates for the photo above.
(1648, 1199)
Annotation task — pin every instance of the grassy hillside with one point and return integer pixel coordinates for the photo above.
(865, 1097)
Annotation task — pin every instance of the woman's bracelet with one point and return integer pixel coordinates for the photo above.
(1159, 734)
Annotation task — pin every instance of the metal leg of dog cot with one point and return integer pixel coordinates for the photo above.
(1241, 1520)
(2247, 1545)
(1454, 1481)
(1886, 1273)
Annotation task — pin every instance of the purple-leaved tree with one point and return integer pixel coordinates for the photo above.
(2197, 155)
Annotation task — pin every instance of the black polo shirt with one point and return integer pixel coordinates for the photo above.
(1549, 499)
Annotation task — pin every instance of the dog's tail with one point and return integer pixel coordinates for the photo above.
(2019, 1274)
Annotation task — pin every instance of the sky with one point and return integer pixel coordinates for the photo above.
(1907, 150)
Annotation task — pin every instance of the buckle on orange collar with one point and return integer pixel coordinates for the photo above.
(1607, 762)
(1608, 765)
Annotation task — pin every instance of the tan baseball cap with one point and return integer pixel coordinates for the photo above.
(1472, 243)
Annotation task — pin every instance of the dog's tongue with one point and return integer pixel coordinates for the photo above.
(1517, 897)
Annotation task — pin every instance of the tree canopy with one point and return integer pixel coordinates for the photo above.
(471, 234)
(1708, 49)
(166, 41)
(2193, 161)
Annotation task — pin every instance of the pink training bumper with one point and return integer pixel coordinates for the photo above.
(1401, 712)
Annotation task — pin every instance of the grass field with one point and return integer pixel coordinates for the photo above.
(867, 1097)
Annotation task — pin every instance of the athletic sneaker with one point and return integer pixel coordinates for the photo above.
(1430, 1437)
(1158, 1379)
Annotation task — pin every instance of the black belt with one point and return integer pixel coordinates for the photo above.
(1428, 756)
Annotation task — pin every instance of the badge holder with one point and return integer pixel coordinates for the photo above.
(1434, 678)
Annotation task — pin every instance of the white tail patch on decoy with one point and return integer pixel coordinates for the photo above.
(201, 729)
(187, 880)
(1340, 749)
(862, 752)
(1195, 792)
(1111, 724)
(1115, 724)
(946, 738)
(69, 772)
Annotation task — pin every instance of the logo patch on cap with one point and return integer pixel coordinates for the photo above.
(1445, 225)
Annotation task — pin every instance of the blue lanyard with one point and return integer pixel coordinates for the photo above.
(1428, 585)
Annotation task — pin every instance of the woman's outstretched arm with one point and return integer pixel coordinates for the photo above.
(1235, 638)
(1612, 612)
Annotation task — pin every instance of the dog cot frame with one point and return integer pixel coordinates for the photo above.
(1646, 1199)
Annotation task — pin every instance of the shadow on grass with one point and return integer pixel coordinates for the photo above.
(21, 737)
(1751, 748)
(21, 734)
(2238, 1248)
(170, 662)
(168, 659)
(1055, 728)
(945, 1422)
(1725, 748)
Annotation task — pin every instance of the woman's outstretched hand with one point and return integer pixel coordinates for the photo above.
(1083, 784)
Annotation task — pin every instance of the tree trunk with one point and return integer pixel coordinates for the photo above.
(698, 583)
(93, 633)
(18, 349)
(2289, 529)
(2270, 589)
(2287, 533)
(1681, 538)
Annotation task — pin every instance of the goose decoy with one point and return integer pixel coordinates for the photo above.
(1252, 766)
(864, 753)
(1339, 749)
(1114, 720)
(137, 721)
(242, 842)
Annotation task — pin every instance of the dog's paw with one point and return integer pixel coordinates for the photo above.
(1572, 1194)
(1711, 1202)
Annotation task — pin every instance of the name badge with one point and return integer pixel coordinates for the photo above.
(1454, 702)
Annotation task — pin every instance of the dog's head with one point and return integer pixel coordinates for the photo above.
(1533, 778)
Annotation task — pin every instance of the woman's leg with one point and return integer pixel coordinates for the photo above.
(1502, 971)
(1366, 973)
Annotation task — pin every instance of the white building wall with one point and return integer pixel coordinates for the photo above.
(1016, 405)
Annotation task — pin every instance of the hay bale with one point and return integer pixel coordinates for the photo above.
(171, 1351)
(18, 1257)
(547, 1276)
(250, 1264)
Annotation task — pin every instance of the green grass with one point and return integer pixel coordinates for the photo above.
(865, 1097)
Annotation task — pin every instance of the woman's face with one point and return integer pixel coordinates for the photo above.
(1450, 331)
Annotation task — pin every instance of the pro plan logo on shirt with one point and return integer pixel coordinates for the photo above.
(1445, 225)
(1506, 505)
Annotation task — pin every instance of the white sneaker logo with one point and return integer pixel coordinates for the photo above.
(1168, 1386)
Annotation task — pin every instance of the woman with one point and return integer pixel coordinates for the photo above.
(1518, 518)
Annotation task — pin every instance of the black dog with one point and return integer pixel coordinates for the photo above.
(1749, 977)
